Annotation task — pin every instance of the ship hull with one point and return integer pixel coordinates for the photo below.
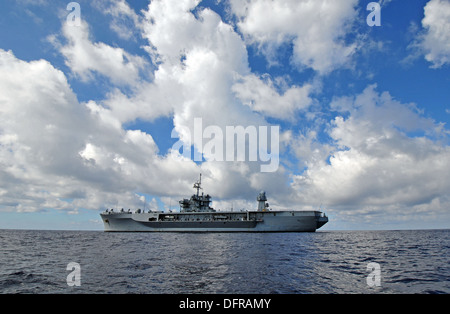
(276, 221)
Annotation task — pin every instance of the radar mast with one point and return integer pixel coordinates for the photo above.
(197, 185)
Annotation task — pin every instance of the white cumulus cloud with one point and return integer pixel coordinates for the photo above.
(387, 157)
(261, 94)
(59, 153)
(85, 57)
(316, 28)
(435, 41)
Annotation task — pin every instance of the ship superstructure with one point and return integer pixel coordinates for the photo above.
(196, 215)
(197, 203)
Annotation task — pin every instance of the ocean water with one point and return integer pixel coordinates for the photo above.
(236, 263)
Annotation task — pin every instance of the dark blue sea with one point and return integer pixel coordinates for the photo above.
(235, 263)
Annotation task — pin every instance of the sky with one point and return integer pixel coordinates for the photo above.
(123, 103)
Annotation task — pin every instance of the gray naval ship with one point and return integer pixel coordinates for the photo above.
(196, 215)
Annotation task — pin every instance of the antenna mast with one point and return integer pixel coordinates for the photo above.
(197, 185)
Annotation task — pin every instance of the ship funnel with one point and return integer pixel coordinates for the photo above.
(262, 201)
